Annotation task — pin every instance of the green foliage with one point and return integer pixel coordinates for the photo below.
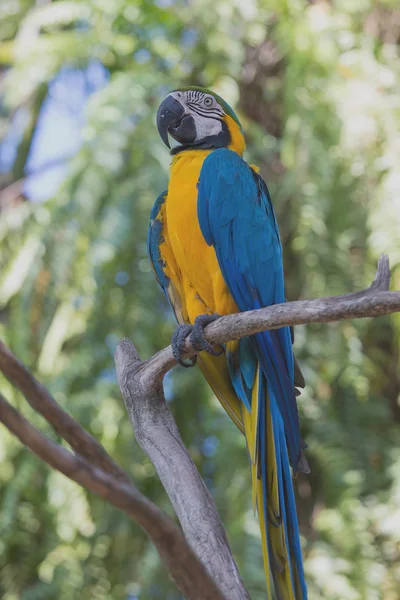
(74, 279)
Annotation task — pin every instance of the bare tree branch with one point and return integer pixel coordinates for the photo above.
(66, 426)
(375, 301)
(158, 435)
(179, 559)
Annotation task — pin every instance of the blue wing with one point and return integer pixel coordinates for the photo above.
(236, 217)
(154, 239)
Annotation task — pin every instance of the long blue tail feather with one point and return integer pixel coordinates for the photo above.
(273, 364)
(282, 537)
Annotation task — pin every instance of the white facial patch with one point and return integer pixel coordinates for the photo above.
(204, 109)
(206, 127)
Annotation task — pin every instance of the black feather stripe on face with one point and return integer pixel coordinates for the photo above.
(204, 91)
(204, 113)
(195, 101)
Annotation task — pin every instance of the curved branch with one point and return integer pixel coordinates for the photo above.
(66, 426)
(158, 435)
(375, 301)
(177, 556)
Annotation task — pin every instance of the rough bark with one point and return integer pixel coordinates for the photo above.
(158, 435)
(374, 301)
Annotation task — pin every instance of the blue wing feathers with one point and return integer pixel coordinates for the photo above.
(154, 239)
(236, 217)
(240, 373)
(248, 364)
(272, 361)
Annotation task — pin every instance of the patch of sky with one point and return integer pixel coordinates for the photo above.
(142, 56)
(10, 142)
(112, 341)
(209, 446)
(165, 3)
(189, 38)
(122, 278)
(58, 135)
(108, 375)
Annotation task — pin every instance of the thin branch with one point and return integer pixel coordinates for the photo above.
(375, 301)
(177, 556)
(66, 426)
(158, 435)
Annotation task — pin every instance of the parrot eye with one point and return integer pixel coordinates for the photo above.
(208, 101)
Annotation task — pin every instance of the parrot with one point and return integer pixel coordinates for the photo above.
(215, 249)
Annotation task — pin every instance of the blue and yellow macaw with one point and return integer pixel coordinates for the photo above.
(215, 248)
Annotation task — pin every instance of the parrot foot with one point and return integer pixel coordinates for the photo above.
(178, 342)
(197, 337)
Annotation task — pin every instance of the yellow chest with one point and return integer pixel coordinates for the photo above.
(181, 206)
(196, 260)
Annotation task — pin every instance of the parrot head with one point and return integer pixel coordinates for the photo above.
(199, 119)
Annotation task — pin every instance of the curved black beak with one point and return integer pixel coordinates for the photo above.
(171, 118)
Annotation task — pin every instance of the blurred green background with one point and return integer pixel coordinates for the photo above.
(317, 88)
